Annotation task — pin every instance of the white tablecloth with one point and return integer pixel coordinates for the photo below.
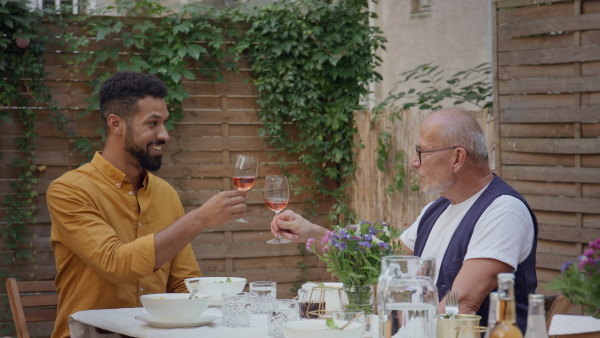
(83, 324)
(570, 324)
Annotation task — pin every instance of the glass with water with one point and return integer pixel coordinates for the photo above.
(262, 293)
(236, 309)
(281, 311)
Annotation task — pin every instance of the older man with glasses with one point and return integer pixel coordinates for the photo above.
(479, 227)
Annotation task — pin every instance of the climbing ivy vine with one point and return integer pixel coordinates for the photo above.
(313, 61)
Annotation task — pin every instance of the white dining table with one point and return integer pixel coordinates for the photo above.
(123, 321)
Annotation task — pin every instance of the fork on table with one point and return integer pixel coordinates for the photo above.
(452, 304)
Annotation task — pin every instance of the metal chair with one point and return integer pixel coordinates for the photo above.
(31, 302)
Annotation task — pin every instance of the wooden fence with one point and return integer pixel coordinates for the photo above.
(547, 93)
(220, 122)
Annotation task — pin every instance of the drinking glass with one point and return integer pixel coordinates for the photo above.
(281, 311)
(244, 174)
(236, 309)
(261, 294)
(277, 194)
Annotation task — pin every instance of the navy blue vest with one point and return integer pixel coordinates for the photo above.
(525, 275)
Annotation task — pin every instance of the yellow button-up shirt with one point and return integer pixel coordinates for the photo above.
(103, 240)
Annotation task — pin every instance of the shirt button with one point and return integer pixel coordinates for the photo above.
(140, 223)
(130, 193)
(118, 184)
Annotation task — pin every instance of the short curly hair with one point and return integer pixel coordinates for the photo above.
(120, 93)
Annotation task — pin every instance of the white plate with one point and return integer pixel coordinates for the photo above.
(202, 320)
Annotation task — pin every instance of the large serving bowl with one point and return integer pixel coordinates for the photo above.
(215, 286)
(175, 306)
(317, 328)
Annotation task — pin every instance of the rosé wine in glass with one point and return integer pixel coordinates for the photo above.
(245, 171)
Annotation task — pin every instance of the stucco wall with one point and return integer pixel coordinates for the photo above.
(455, 34)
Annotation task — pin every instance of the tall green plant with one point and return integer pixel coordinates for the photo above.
(313, 61)
(472, 86)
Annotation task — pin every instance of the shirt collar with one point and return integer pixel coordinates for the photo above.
(115, 176)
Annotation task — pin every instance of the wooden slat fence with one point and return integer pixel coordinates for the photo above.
(220, 122)
(547, 94)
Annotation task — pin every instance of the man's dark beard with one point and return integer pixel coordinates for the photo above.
(151, 163)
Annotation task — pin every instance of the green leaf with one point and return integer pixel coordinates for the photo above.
(175, 76)
(102, 32)
(331, 324)
(188, 74)
(195, 50)
(5, 117)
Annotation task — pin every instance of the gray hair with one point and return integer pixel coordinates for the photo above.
(462, 129)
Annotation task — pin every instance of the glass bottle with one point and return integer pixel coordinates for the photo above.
(506, 311)
(492, 313)
(536, 318)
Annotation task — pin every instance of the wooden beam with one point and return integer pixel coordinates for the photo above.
(566, 204)
(550, 115)
(549, 55)
(567, 234)
(552, 174)
(522, 3)
(550, 85)
(552, 145)
(548, 25)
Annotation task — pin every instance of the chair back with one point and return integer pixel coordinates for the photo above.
(31, 302)
(556, 305)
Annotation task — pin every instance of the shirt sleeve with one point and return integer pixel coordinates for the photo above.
(504, 232)
(86, 232)
(183, 265)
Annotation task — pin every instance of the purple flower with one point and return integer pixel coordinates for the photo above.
(589, 253)
(566, 266)
(582, 261)
(383, 245)
(595, 244)
(368, 237)
(344, 234)
(371, 230)
(365, 244)
(309, 243)
(326, 237)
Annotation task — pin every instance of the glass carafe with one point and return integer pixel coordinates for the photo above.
(407, 297)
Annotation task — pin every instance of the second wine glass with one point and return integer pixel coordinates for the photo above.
(277, 195)
(244, 174)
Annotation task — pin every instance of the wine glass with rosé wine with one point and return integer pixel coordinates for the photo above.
(244, 174)
(277, 194)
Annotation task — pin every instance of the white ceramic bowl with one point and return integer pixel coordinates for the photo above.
(175, 306)
(215, 286)
(317, 328)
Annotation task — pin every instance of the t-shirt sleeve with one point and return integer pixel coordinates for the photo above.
(504, 232)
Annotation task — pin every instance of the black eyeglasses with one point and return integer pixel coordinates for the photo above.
(419, 152)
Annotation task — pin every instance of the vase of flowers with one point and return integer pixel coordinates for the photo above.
(580, 280)
(353, 255)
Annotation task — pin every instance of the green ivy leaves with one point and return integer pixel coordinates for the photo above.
(313, 61)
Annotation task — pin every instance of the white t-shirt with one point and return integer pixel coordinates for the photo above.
(503, 232)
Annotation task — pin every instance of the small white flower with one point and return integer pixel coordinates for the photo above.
(375, 240)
